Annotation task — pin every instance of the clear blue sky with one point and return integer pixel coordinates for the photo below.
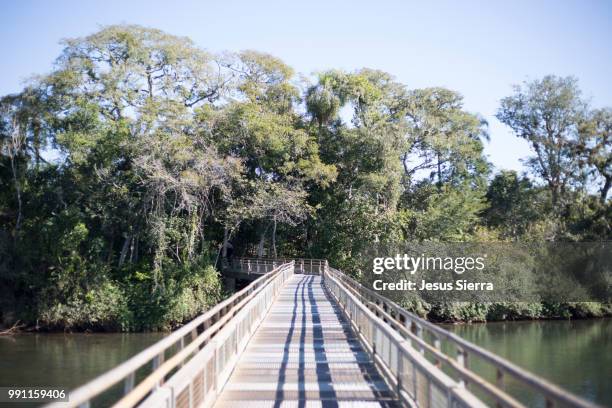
(479, 48)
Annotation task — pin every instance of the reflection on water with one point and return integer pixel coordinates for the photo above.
(577, 355)
(65, 360)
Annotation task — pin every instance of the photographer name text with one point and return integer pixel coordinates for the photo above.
(410, 265)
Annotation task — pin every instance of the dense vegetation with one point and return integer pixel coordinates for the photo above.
(126, 169)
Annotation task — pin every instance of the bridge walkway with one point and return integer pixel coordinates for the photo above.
(293, 339)
(305, 354)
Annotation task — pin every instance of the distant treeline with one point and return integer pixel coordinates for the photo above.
(126, 169)
(507, 281)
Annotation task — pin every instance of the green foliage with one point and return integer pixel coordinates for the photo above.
(187, 293)
(456, 311)
(446, 215)
(443, 138)
(167, 154)
(547, 113)
(514, 204)
(594, 148)
(103, 307)
(491, 312)
(132, 305)
(516, 311)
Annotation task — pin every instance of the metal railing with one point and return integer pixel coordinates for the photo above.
(191, 365)
(411, 353)
(417, 381)
(265, 265)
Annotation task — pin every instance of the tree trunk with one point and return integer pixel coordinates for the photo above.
(274, 237)
(439, 172)
(18, 191)
(554, 191)
(124, 249)
(260, 246)
(134, 256)
(605, 189)
(225, 240)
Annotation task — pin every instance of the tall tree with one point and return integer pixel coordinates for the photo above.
(360, 206)
(547, 113)
(261, 127)
(442, 137)
(127, 98)
(594, 148)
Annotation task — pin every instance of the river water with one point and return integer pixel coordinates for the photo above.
(577, 354)
(65, 360)
(574, 354)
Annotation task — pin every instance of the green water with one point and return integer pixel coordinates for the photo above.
(64, 360)
(574, 354)
(577, 355)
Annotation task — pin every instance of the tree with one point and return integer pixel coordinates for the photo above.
(546, 113)
(260, 127)
(513, 204)
(276, 203)
(24, 132)
(13, 146)
(594, 147)
(137, 177)
(128, 98)
(165, 153)
(360, 206)
(366, 153)
(322, 103)
(442, 137)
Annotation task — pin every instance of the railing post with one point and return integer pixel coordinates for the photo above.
(157, 361)
(436, 345)
(400, 371)
(128, 383)
(499, 381)
(205, 327)
(182, 346)
(418, 330)
(462, 361)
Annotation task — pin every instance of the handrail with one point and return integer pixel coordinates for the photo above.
(281, 259)
(393, 315)
(210, 322)
(406, 348)
(415, 380)
(258, 266)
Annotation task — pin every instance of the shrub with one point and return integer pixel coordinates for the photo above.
(101, 308)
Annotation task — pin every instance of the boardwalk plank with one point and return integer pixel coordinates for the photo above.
(305, 355)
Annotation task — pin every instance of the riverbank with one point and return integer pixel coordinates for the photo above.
(115, 305)
(498, 312)
(455, 313)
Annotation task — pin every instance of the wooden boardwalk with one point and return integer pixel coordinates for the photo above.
(287, 340)
(304, 354)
